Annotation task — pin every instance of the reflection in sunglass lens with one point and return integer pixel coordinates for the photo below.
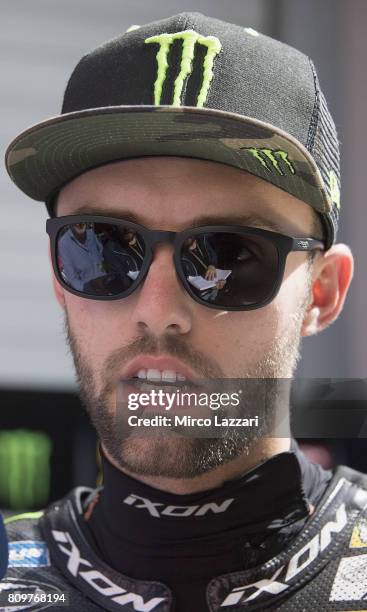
(99, 258)
(229, 269)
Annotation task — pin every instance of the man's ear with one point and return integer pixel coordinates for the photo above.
(58, 290)
(332, 273)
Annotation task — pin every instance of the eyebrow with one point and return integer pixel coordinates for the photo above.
(250, 220)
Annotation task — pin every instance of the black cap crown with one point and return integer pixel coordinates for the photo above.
(194, 86)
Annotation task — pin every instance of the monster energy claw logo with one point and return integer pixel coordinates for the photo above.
(272, 159)
(24, 468)
(189, 39)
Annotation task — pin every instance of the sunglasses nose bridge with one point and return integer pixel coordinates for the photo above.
(161, 236)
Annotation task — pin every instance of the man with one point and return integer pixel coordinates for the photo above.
(198, 259)
(191, 129)
(123, 256)
(79, 269)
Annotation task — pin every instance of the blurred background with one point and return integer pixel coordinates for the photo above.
(46, 442)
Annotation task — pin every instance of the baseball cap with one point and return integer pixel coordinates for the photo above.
(190, 86)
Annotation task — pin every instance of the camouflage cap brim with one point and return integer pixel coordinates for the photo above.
(48, 155)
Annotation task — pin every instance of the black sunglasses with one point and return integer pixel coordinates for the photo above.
(223, 267)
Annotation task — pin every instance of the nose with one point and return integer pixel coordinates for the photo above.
(162, 304)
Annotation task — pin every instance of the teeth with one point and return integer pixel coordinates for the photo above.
(156, 375)
(169, 375)
(153, 374)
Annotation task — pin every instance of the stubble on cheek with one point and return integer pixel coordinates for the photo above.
(99, 372)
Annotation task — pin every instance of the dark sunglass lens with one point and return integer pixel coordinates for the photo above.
(99, 258)
(229, 269)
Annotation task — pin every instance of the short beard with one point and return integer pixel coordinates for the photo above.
(178, 457)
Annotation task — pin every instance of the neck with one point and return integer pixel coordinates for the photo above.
(265, 449)
(184, 540)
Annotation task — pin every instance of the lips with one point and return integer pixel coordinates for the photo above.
(158, 368)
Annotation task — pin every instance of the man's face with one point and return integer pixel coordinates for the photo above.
(79, 230)
(130, 238)
(160, 317)
(190, 244)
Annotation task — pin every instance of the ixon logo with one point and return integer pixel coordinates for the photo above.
(298, 563)
(157, 509)
(84, 571)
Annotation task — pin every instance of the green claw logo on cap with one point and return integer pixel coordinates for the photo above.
(189, 38)
(270, 159)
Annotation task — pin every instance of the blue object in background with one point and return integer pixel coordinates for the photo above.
(4, 552)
